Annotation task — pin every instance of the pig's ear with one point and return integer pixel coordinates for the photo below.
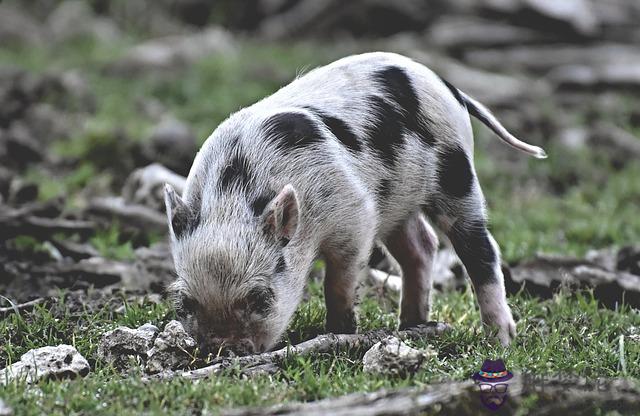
(281, 215)
(178, 213)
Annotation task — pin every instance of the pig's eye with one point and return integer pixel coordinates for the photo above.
(189, 305)
(260, 300)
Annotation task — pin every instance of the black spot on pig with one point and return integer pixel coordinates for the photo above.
(281, 265)
(235, 174)
(455, 92)
(398, 87)
(473, 246)
(292, 130)
(260, 203)
(455, 175)
(383, 190)
(386, 133)
(340, 129)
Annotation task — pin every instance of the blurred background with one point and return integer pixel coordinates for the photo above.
(92, 91)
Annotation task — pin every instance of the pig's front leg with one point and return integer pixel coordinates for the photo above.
(346, 263)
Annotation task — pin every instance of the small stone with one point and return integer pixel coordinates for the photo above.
(4, 409)
(172, 350)
(146, 185)
(63, 361)
(120, 346)
(393, 357)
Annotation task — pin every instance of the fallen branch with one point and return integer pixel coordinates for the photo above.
(575, 396)
(4, 312)
(134, 215)
(328, 343)
(28, 221)
(544, 275)
(151, 265)
(386, 280)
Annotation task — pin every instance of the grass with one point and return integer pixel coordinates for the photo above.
(567, 334)
(570, 203)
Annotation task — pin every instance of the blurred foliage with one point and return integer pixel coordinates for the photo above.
(571, 202)
(110, 245)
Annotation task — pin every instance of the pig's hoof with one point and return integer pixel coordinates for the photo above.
(507, 332)
(406, 324)
(501, 325)
(345, 324)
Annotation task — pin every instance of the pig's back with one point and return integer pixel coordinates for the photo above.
(387, 113)
(368, 127)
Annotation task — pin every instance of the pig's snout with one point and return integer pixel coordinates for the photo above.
(219, 346)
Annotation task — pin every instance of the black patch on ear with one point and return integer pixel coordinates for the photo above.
(235, 175)
(184, 221)
(473, 246)
(455, 175)
(292, 130)
(281, 265)
(260, 203)
(387, 132)
(383, 190)
(340, 129)
(397, 85)
(260, 300)
(455, 92)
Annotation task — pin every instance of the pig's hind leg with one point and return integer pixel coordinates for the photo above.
(458, 209)
(413, 245)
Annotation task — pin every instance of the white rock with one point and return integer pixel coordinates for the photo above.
(172, 349)
(4, 409)
(63, 361)
(391, 356)
(119, 346)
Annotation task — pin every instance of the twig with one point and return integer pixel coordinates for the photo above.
(6, 311)
(318, 345)
(388, 280)
(574, 396)
(134, 215)
(28, 221)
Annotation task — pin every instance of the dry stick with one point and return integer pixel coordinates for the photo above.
(381, 402)
(318, 345)
(20, 307)
(387, 280)
(134, 215)
(576, 396)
